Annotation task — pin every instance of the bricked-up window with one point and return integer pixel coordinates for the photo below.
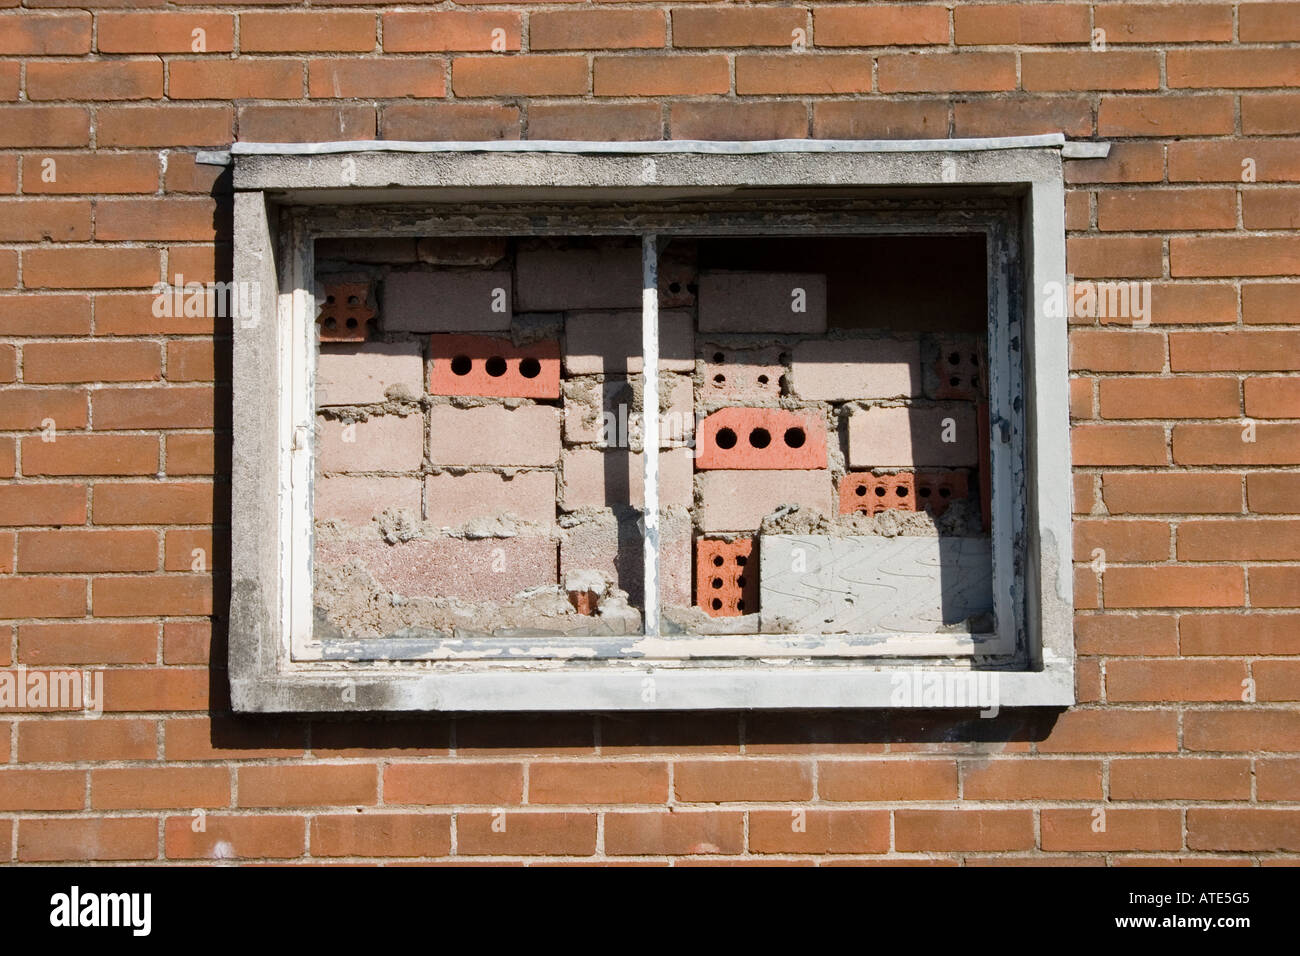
(854, 475)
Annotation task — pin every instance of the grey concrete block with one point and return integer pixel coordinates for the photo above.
(740, 500)
(548, 279)
(902, 436)
(447, 301)
(867, 584)
(786, 302)
(835, 370)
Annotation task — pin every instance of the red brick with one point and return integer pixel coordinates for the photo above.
(526, 833)
(837, 119)
(152, 503)
(1231, 68)
(156, 594)
(1089, 70)
(186, 642)
(23, 597)
(219, 79)
(819, 831)
(1278, 779)
(1023, 116)
(597, 30)
(96, 80)
(872, 26)
(519, 76)
(74, 454)
(747, 780)
(1165, 115)
(1226, 445)
(661, 75)
(1271, 208)
(1116, 635)
(169, 407)
(85, 173)
(1211, 586)
(98, 268)
(282, 32)
(480, 354)
(1113, 731)
(44, 127)
(1273, 493)
(1117, 351)
(1264, 303)
(165, 126)
(887, 780)
(1241, 730)
(1126, 163)
(1219, 634)
(88, 642)
(1138, 680)
(739, 121)
(308, 785)
(164, 32)
(713, 27)
(1225, 161)
(228, 738)
(155, 788)
(1123, 829)
(1171, 493)
(1243, 829)
(761, 438)
(234, 837)
(1277, 680)
(186, 175)
(305, 124)
(381, 834)
(1031, 779)
(37, 220)
(190, 455)
(376, 78)
(1179, 779)
(1100, 257)
(1262, 539)
(154, 219)
(675, 833)
(1164, 23)
(970, 830)
(47, 839)
(1170, 398)
(1254, 350)
(605, 782)
(57, 362)
(44, 315)
(448, 31)
(65, 741)
(595, 121)
(454, 783)
(1021, 23)
(180, 547)
(1270, 113)
(42, 789)
(191, 361)
(946, 72)
(1192, 209)
(46, 34)
(78, 550)
(1119, 445)
(455, 120)
(149, 689)
(42, 504)
(1275, 587)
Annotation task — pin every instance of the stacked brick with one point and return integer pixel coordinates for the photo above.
(1187, 633)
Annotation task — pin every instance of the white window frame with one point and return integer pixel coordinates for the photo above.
(287, 195)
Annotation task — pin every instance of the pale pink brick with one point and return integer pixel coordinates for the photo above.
(488, 569)
(740, 375)
(548, 279)
(609, 343)
(355, 500)
(617, 551)
(369, 373)
(786, 302)
(739, 500)
(831, 370)
(494, 435)
(606, 479)
(383, 443)
(605, 413)
(913, 435)
(452, 500)
(447, 301)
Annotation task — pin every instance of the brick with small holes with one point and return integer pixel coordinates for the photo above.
(959, 371)
(902, 491)
(726, 576)
(345, 315)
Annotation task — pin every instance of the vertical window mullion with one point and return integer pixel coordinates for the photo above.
(650, 423)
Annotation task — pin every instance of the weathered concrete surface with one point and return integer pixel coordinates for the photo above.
(356, 499)
(739, 500)
(455, 499)
(863, 584)
(370, 373)
(382, 443)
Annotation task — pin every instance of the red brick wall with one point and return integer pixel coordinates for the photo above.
(1198, 605)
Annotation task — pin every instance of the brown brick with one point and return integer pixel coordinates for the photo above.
(163, 32)
(153, 503)
(232, 738)
(604, 122)
(22, 597)
(1117, 351)
(660, 75)
(1270, 113)
(1219, 634)
(454, 783)
(1275, 587)
(1118, 445)
(1125, 163)
(803, 73)
(53, 839)
(519, 76)
(598, 783)
(44, 127)
(1021, 23)
(99, 268)
(1138, 680)
(1113, 731)
(176, 594)
(739, 121)
(282, 32)
(596, 29)
(1122, 541)
(819, 831)
(1117, 635)
(308, 785)
(1271, 208)
(164, 126)
(1234, 731)
(1182, 778)
(676, 833)
(1188, 303)
(1264, 303)
(1164, 22)
(1089, 70)
(1120, 829)
(84, 173)
(1179, 493)
(1273, 493)
(88, 642)
(186, 642)
(46, 34)
(155, 788)
(1247, 350)
(1114, 256)
(74, 454)
(1226, 445)
(1278, 779)
(190, 455)
(1231, 68)
(1243, 829)
(154, 219)
(1194, 209)
(28, 408)
(96, 80)
(842, 119)
(713, 27)
(42, 789)
(372, 77)
(168, 407)
(1024, 116)
(1031, 779)
(1170, 398)
(526, 833)
(305, 124)
(449, 121)
(1226, 161)
(234, 837)
(947, 72)
(1261, 539)
(217, 79)
(969, 830)
(450, 31)
(1277, 680)
(86, 550)
(887, 780)
(65, 741)
(876, 26)
(707, 781)
(1165, 115)
(381, 834)
(43, 315)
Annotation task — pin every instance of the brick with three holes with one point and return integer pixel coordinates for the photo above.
(761, 438)
(486, 365)
(344, 315)
(902, 491)
(726, 576)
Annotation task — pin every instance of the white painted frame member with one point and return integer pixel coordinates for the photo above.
(275, 666)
